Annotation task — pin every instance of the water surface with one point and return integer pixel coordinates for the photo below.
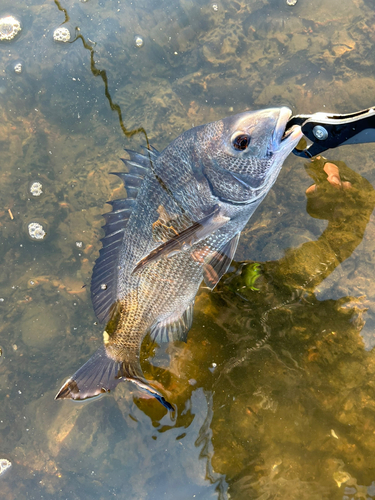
(275, 387)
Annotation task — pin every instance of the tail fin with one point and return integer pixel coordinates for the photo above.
(101, 374)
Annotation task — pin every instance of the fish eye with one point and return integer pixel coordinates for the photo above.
(241, 142)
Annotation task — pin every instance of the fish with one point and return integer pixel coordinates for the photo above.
(179, 225)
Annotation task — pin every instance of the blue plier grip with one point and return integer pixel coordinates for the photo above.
(327, 131)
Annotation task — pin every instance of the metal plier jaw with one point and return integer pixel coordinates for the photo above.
(330, 131)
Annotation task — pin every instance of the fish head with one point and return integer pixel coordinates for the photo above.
(242, 155)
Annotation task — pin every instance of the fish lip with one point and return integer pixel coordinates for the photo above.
(283, 138)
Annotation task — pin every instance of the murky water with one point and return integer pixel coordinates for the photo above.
(275, 387)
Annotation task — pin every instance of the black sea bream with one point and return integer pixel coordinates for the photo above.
(179, 224)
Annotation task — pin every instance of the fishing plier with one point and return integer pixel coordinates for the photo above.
(327, 131)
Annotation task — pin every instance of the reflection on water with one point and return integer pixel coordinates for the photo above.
(275, 386)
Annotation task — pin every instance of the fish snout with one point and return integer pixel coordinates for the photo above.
(284, 139)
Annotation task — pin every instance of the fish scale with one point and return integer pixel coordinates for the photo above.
(207, 183)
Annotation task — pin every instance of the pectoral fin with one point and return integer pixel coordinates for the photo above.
(217, 263)
(175, 327)
(195, 233)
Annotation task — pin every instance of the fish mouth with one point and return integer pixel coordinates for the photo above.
(285, 138)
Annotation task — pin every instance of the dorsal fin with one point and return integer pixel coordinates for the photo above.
(104, 276)
(175, 327)
(151, 151)
(217, 263)
(139, 164)
(130, 180)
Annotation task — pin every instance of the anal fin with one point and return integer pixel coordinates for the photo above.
(174, 327)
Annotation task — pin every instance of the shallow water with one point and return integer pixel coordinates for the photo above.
(275, 386)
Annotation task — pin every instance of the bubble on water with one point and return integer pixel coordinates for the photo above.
(212, 367)
(9, 28)
(138, 41)
(18, 68)
(4, 465)
(36, 231)
(215, 7)
(291, 2)
(61, 35)
(36, 188)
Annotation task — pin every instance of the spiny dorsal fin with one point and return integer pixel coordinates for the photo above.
(175, 327)
(104, 277)
(130, 180)
(139, 164)
(217, 263)
(151, 151)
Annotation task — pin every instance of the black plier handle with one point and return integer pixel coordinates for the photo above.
(330, 131)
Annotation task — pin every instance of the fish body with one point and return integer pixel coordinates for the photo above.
(179, 225)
